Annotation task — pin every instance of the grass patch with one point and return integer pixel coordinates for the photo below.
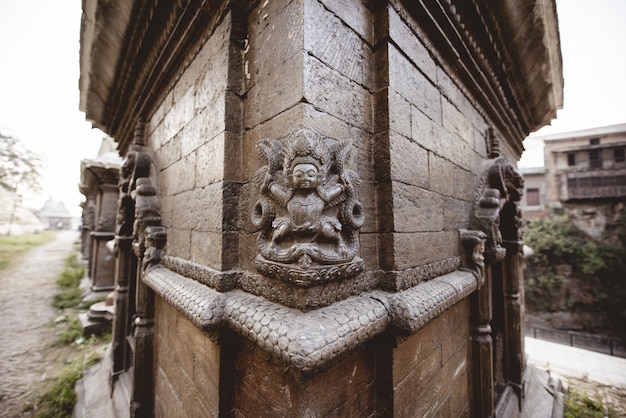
(11, 247)
(59, 398)
(69, 281)
(580, 405)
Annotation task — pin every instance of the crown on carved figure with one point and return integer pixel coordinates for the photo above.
(306, 147)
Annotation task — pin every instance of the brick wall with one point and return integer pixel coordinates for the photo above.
(188, 135)
(187, 367)
(431, 369)
(264, 388)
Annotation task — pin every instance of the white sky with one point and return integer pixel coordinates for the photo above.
(593, 46)
(39, 44)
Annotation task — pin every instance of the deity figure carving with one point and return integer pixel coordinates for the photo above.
(308, 214)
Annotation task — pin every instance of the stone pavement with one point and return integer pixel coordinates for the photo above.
(577, 363)
(27, 328)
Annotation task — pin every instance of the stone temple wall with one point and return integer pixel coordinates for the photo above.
(417, 104)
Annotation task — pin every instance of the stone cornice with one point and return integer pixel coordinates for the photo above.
(131, 54)
(308, 341)
(491, 49)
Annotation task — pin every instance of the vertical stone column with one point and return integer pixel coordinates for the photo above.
(147, 215)
(125, 270)
(87, 222)
(513, 303)
(102, 262)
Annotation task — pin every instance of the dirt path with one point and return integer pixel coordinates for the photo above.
(27, 316)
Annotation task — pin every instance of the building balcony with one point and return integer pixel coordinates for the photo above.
(593, 184)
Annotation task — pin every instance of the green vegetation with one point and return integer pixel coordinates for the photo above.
(58, 399)
(557, 242)
(582, 406)
(69, 281)
(11, 247)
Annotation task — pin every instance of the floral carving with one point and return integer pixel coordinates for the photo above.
(308, 214)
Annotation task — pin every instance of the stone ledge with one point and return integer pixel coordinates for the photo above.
(308, 341)
(218, 280)
(202, 305)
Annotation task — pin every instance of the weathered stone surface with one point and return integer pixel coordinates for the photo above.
(188, 382)
(332, 42)
(413, 85)
(417, 209)
(417, 248)
(425, 368)
(336, 94)
(409, 162)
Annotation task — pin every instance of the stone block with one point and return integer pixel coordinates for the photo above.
(456, 213)
(167, 155)
(210, 161)
(275, 93)
(416, 209)
(179, 242)
(369, 250)
(456, 122)
(399, 114)
(179, 177)
(206, 249)
(264, 388)
(411, 83)
(331, 92)
(408, 43)
(332, 42)
(409, 162)
(418, 248)
(166, 403)
(354, 14)
(441, 174)
(207, 124)
(199, 209)
(275, 38)
(367, 197)
(212, 81)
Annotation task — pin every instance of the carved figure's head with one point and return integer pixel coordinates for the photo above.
(306, 147)
(305, 176)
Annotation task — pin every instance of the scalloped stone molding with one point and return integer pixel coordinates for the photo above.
(309, 341)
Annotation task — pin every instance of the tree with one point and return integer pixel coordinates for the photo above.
(19, 166)
(20, 171)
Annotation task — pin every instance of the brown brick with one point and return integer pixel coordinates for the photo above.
(335, 94)
(413, 85)
(409, 161)
(275, 93)
(332, 42)
(400, 33)
(418, 248)
(353, 13)
(416, 209)
(206, 249)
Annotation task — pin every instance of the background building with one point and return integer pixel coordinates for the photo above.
(585, 174)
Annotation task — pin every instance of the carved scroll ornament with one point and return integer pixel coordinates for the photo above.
(308, 215)
(498, 195)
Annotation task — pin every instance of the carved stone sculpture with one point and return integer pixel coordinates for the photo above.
(308, 215)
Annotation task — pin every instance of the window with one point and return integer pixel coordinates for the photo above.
(594, 159)
(594, 141)
(532, 197)
(571, 159)
(618, 155)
